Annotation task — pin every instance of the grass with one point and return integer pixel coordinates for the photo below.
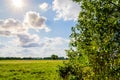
(29, 69)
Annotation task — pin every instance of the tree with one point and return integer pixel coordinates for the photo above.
(54, 57)
(94, 52)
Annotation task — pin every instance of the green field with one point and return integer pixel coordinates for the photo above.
(29, 69)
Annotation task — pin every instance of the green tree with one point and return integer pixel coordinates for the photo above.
(54, 57)
(94, 52)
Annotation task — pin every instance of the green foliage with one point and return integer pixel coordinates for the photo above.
(54, 57)
(95, 41)
(29, 69)
(64, 71)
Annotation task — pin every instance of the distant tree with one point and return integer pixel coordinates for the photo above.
(54, 57)
(61, 58)
(47, 58)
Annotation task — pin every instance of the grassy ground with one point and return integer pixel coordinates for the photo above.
(29, 69)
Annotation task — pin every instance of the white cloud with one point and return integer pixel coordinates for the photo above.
(48, 46)
(44, 6)
(56, 45)
(14, 28)
(57, 41)
(35, 48)
(35, 21)
(47, 29)
(32, 20)
(27, 40)
(10, 27)
(10, 51)
(5, 33)
(24, 44)
(67, 10)
(31, 45)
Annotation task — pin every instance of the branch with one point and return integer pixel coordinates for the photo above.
(114, 4)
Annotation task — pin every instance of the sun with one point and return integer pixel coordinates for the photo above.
(17, 3)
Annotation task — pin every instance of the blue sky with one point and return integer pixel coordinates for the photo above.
(36, 28)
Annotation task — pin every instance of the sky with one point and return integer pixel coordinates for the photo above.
(36, 28)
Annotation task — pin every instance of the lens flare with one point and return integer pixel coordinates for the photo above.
(17, 3)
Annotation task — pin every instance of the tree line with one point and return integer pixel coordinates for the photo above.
(52, 57)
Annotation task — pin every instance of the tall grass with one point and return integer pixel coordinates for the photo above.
(29, 69)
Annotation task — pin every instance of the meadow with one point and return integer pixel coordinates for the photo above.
(29, 69)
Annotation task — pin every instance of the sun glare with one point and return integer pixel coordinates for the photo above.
(17, 3)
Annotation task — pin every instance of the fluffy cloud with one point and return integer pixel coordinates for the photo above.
(10, 27)
(35, 21)
(27, 40)
(20, 30)
(48, 46)
(5, 33)
(33, 47)
(32, 20)
(10, 51)
(67, 10)
(44, 6)
(57, 41)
